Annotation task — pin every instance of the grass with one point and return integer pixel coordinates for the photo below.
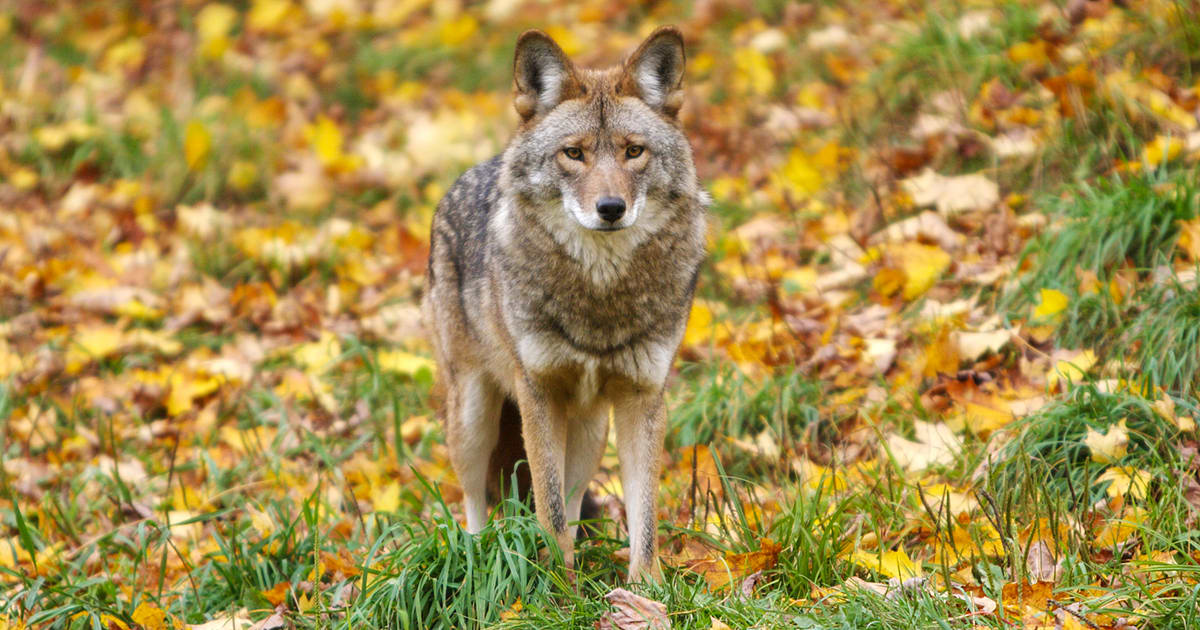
(1109, 250)
(342, 514)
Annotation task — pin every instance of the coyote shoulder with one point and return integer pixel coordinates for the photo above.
(560, 280)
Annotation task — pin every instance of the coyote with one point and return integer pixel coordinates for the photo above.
(560, 280)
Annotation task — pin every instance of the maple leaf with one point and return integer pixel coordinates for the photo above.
(894, 564)
(729, 569)
(954, 194)
(1126, 480)
(935, 445)
(150, 617)
(1109, 446)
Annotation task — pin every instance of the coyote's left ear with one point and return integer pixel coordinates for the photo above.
(654, 72)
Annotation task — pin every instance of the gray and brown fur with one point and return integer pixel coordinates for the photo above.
(560, 279)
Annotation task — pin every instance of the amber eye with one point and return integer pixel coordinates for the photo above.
(574, 153)
(634, 151)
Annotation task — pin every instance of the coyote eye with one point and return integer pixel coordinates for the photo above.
(574, 153)
(634, 151)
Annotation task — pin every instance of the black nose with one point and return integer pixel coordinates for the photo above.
(611, 209)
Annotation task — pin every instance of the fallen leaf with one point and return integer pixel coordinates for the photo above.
(150, 617)
(1109, 446)
(1119, 529)
(277, 594)
(197, 142)
(731, 568)
(935, 445)
(973, 345)
(1041, 564)
(228, 621)
(1052, 303)
(1071, 370)
(633, 612)
(952, 195)
(894, 564)
(404, 363)
(1126, 480)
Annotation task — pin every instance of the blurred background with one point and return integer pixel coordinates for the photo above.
(218, 403)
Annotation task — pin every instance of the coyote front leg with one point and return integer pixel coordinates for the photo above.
(640, 423)
(474, 409)
(544, 429)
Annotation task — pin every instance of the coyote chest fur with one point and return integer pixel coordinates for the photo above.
(560, 279)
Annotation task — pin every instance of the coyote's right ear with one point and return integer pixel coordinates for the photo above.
(543, 76)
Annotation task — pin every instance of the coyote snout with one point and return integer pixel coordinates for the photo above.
(560, 281)
(602, 178)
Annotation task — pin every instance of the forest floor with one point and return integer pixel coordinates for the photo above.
(942, 368)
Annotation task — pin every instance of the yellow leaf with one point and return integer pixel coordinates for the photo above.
(320, 355)
(127, 55)
(1189, 238)
(242, 175)
(215, 20)
(799, 281)
(23, 178)
(752, 72)
(90, 344)
(1126, 480)
(326, 139)
(10, 362)
(974, 540)
(404, 363)
(1165, 408)
(1119, 530)
(1029, 52)
(941, 355)
(1161, 150)
(458, 31)
(699, 331)
(137, 310)
(197, 143)
(213, 24)
(1071, 370)
(386, 498)
(732, 568)
(1052, 303)
(1109, 446)
(186, 388)
(894, 564)
(569, 42)
(513, 611)
(984, 419)
(270, 15)
(149, 617)
(922, 266)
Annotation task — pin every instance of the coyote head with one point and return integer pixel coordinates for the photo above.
(602, 146)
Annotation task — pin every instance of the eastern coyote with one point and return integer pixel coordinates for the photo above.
(560, 279)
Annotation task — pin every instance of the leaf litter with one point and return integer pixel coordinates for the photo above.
(172, 258)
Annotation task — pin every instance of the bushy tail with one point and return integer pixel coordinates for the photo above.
(510, 451)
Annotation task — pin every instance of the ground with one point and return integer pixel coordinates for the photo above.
(942, 370)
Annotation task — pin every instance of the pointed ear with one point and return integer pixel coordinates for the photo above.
(543, 76)
(654, 73)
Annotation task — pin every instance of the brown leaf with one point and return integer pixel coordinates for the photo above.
(633, 612)
(722, 571)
